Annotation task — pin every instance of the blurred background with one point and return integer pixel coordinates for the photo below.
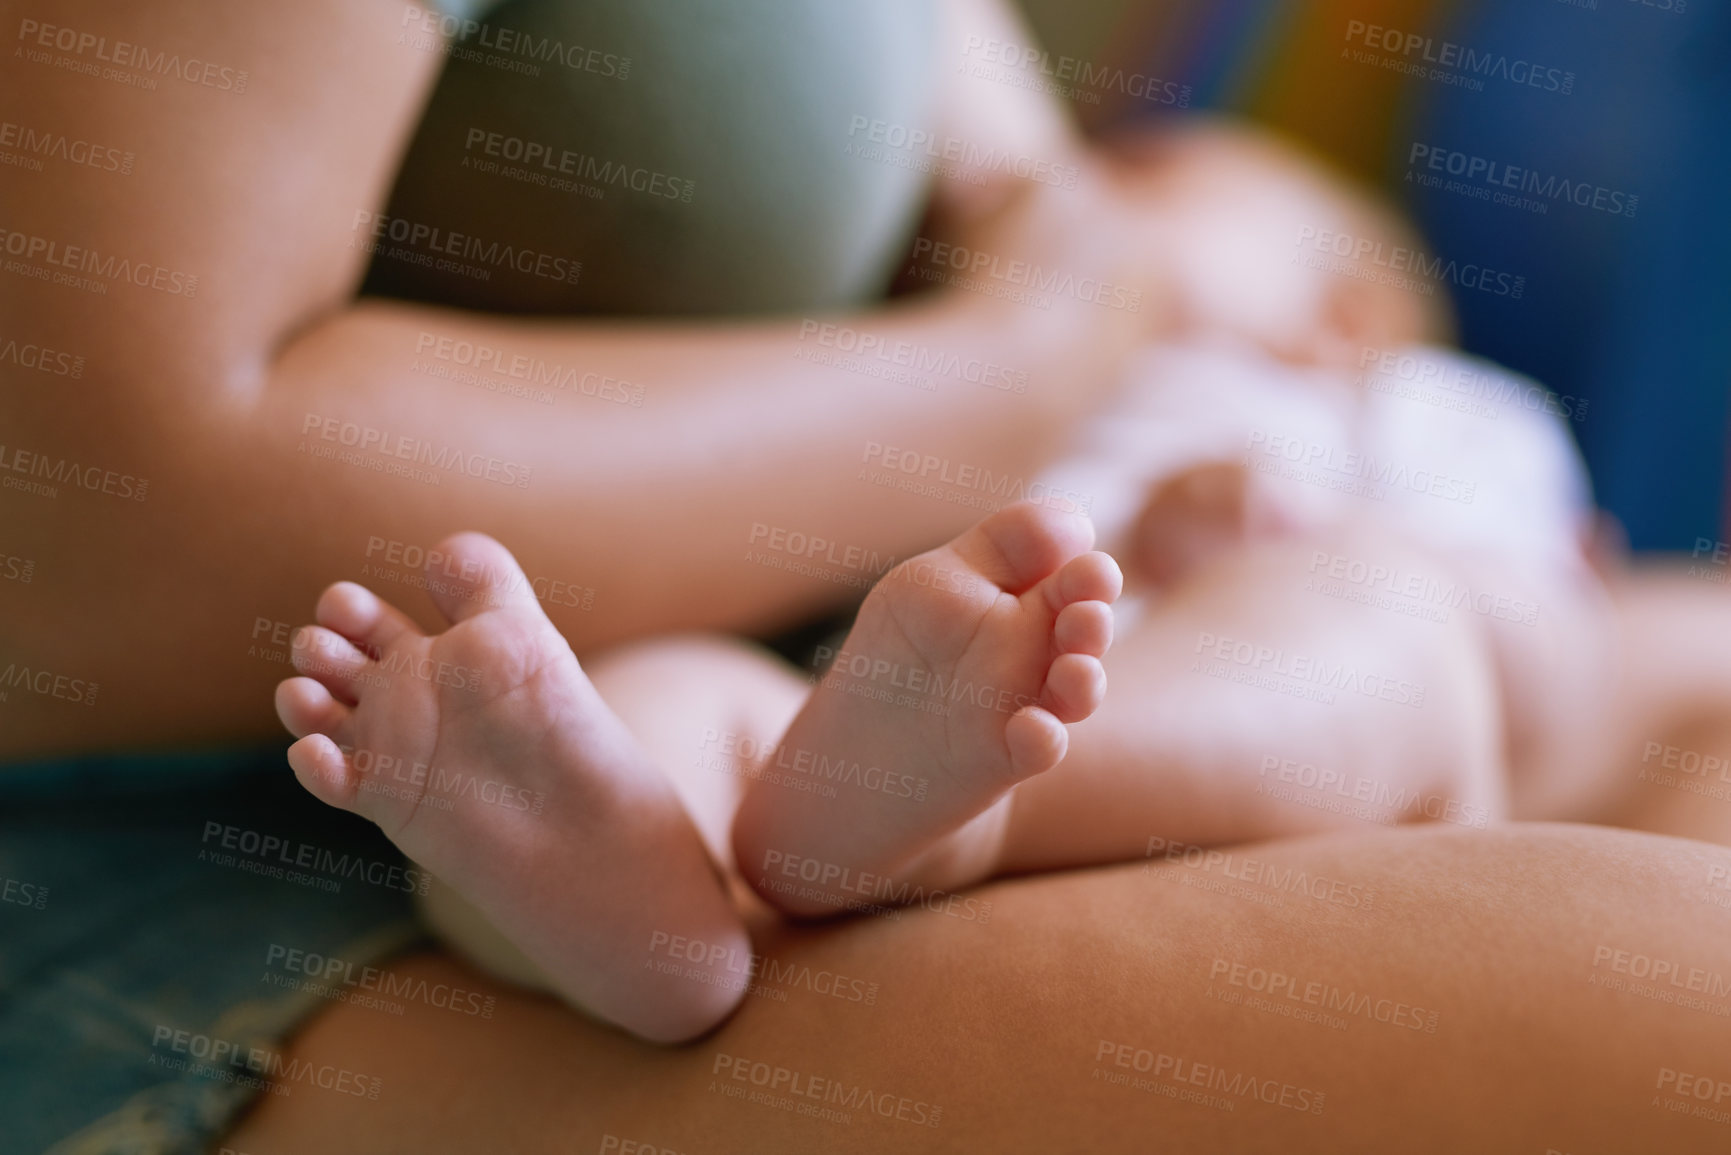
(1627, 310)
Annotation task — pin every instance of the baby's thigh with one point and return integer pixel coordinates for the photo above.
(704, 707)
(1363, 615)
(1555, 636)
(1264, 697)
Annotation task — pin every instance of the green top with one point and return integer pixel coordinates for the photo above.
(695, 157)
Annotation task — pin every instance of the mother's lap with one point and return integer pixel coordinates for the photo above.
(1428, 989)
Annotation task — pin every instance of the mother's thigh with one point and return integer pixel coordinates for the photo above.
(1418, 990)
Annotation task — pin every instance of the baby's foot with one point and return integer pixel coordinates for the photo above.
(486, 755)
(955, 683)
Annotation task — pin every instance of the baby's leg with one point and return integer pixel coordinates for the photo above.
(708, 710)
(1554, 636)
(487, 755)
(1663, 747)
(1253, 699)
(955, 683)
(704, 709)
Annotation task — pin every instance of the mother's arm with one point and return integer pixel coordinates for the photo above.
(1500, 992)
(222, 398)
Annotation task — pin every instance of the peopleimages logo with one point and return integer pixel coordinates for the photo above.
(342, 976)
(124, 54)
(238, 1061)
(1450, 594)
(1492, 177)
(379, 228)
(1455, 63)
(38, 143)
(800, 1092)
(472, 35)
(867, 137)
(110, 267)
(1070, 76)
(938, 256)
(68, 471)
(1305, 669)
(436, 455)
(1471, 383)
(563, 162)
(259, 853)
(1397, 259)
(40, 359)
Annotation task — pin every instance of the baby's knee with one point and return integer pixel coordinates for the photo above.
(1447, 658)
(694, 667)
(1465, 739)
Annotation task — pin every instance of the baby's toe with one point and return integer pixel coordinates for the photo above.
(474, 574)
(362, 616)
(1075, 687)
(1022, 544)
(1083, 628)
(1036, 741)
(331, 659)
(307, 707)
(321, 768)
(1092, 577)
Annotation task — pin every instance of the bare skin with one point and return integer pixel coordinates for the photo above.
(1671, 694)
(1178, 761)
(1184, 751)
(962, 673)
(1003, 1024)
(271, 331)
(584, 852)
(1536, 908)
(576, 845)
(219, 399)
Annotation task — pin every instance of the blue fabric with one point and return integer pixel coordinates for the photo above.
(125, 918)
(1634, 315)
(1630, 313)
